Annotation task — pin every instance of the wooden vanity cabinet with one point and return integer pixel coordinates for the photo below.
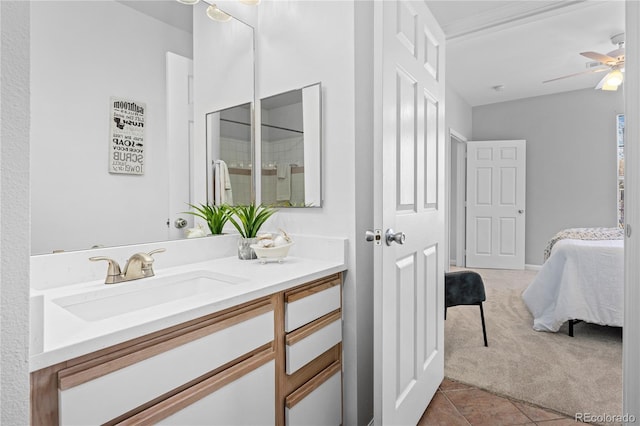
(236, 367)
(313, 353)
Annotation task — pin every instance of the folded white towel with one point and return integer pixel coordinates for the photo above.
(283, 185)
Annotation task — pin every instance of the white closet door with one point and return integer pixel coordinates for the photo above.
(496, 204)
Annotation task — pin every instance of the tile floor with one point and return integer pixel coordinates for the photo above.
(459, 404)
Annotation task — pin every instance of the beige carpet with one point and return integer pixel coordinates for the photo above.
(581, 374)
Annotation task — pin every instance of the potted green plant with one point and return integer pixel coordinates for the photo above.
(247, 220)
(215, 216)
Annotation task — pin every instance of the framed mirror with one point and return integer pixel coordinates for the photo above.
(79, 64)
(291, 148)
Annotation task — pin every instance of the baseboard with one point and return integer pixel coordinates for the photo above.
(532, 267)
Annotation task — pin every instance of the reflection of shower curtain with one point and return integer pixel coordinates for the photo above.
(222, 193)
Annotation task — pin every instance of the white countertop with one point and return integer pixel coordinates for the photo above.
(59, 335)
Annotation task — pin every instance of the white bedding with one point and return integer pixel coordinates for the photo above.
(582, 279)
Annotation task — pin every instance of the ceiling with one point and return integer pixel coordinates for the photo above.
(518, 44)
(168, 11)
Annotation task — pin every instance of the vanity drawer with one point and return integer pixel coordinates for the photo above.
(310, 341)
(104, 391)
(241, 395)
(317, 402)
(307, 303)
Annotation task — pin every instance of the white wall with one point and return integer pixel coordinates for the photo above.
(571, 159)
(459, 120)
(106, 49)
(14, 213)
(459, 113)
(223, 73)
(317, 53)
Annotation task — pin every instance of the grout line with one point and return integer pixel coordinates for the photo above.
(525, 414)
(455, 407)
(561, 416)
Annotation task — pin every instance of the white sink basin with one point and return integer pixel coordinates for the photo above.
(118, 299)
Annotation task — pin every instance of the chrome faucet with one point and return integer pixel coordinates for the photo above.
(139, 265)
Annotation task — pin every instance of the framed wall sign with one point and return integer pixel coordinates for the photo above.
(126, 137)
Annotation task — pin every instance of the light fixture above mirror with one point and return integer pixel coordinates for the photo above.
(215, 13)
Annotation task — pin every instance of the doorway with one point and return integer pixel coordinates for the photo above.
(458, 188)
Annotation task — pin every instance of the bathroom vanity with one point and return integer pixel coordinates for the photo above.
(263, 349)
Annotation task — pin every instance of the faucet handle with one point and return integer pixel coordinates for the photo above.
(113, 270)
(160, 250)
(146, 262)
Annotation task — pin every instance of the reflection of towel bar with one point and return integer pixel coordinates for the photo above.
(273, 172)
(239, 171)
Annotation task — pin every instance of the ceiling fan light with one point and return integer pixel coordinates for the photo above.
(614, 78)
(216, 14)
(189, 2)
(250, 2)
(608, 87)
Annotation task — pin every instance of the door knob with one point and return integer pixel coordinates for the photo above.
(391, 236)
(180, 223)
(520, 211)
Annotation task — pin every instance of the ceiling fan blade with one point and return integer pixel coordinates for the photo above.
(617, 53)
(578, 73)
(605, 59)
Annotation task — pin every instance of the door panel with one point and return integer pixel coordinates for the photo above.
(408, 290)
(431, 321)
(431, 153)
(406, 326)
(496, 204)
(406, 141)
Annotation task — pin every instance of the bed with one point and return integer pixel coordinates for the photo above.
(581, 280)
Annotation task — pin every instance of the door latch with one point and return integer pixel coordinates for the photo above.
(374, 235)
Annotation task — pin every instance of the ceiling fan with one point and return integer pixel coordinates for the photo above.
(612, 62)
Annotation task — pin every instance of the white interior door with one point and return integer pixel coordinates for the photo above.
(409, 198)
(496, 204)
(179, 140)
